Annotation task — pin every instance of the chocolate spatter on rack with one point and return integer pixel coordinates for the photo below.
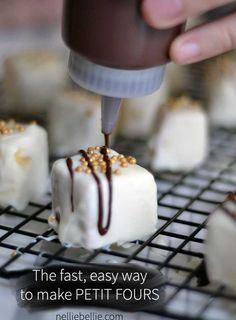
(69, 164)
(98, 160)
(11, 126)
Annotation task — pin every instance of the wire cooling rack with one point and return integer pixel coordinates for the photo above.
(177, 247)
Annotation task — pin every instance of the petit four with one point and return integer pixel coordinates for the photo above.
(74, 122)
(181, 140)
(220, 245)
(24, 166)
(101, 197)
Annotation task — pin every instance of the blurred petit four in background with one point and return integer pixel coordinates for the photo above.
(138, 114)
(24, 168)
(180, 142)
(220, 244)
(31, 82)
(221, 76)
(74, 121)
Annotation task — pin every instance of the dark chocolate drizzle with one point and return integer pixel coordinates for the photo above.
(109, 180)
(69, 163)
(107, 140)
(101, 229)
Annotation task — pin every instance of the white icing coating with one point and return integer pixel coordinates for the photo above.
(181, 142)
(32, 79)
(134, 206)
(220, 246)
(74, 122)
(138, 115)
(222, 107)
(23, 166)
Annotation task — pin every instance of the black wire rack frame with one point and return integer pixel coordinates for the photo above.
(176, 248)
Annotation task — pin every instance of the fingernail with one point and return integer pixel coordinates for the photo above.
(165, 10)
(188, 52)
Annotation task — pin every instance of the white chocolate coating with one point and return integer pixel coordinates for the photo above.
(134, 205)
(23, 166)
(220, 246)
(181, 143)
(32, 79)
(222, 105)
(74, 122)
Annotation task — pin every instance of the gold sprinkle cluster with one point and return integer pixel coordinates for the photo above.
(182, 102)
(98, 163)
(11, 126)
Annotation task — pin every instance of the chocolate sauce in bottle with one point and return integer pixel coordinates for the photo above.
(114, 52)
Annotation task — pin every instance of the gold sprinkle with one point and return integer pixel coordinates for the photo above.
(117, 172)
(88, 171)
(103, 164)
(82, 159)
(115, 158)
(79, 169)
(95, 168)
(123, 161)
(21, 129)
(131, 160)
(52, 219)
(124, 164)
(21, 159)
(90, 149)
(14, 253)
(97, 148)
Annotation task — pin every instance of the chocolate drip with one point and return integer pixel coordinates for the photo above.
(202, 277)
(69, 163)
(102, 230)
(107, 140)
(109, 180)
(57, 216)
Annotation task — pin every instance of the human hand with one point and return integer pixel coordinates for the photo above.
(201, 42)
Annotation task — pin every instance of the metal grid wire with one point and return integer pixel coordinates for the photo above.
(177, 247)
